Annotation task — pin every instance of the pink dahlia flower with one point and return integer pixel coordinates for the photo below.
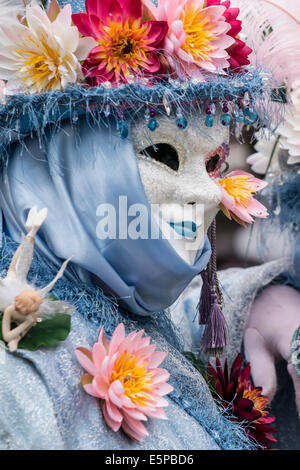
(124, 374)
(239, 51)
(238, 202)
(197, 39)
(127, 45)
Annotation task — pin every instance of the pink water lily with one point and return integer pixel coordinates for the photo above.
(124, 374)
(238, 189)
(197, 39)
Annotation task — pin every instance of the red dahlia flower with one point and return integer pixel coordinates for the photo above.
(246, 404)
(127, 45)
(239, 51)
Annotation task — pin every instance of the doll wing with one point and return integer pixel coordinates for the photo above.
(50, 308)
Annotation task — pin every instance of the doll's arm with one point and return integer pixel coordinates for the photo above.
(10, 334)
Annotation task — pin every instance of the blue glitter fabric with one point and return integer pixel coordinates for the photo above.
(43, 405)
(296, 350)
(77, 5)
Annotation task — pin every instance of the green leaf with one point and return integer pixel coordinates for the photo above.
(47, 333)
(200, 366)
(197, 363)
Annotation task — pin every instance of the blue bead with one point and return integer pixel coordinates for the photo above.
(209, 121)
(181, 123)
(250, 116)
(226, 119)
(123, 129)
(152, 124)
(239, 116)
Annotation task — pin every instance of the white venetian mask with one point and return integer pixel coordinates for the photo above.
(176, 167)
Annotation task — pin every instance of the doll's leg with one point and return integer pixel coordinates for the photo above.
(262, 362)
(11, 273)
(34, 221)
(22, 259)
(296, 381)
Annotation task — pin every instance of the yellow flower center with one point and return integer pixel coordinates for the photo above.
(136, 380)
(238, 187)
(260, 402)
(199, 37)
(124, 46)
(40, 63)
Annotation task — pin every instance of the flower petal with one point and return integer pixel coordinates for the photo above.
(164, 389)
(113, 412)
(156, 359)
(136, 426)
(101, 386)
(131, 8)
(87, 383)
(115, 392)
(131, 433)
(82, 22)
(134, 413)
(116, 339)
(84, 47)
(84, 357)
(114, 425)
(158, 413)
(98, 355)
(160, 375)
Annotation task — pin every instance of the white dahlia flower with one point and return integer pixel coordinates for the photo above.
(42, 53)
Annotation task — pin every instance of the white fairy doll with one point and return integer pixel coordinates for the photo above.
(21, 302)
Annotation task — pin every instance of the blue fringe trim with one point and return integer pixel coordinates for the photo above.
(95, 307)
(24, 115)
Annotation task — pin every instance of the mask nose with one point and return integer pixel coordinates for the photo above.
(199, 189)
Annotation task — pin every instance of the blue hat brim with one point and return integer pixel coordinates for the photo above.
(23, 115)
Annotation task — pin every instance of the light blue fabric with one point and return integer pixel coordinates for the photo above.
(72, 178)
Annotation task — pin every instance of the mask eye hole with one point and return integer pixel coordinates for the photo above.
(213, 163)
(163, 153)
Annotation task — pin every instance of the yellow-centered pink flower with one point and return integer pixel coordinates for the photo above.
(197, 39)
(124, 374)
(238, 190)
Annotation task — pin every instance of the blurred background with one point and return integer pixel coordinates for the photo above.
(236, 245)
(240, 247)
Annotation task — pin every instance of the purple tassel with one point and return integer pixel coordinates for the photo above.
(215, 336)
(204, 305)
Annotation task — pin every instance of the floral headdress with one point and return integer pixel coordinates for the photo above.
(120, 58)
